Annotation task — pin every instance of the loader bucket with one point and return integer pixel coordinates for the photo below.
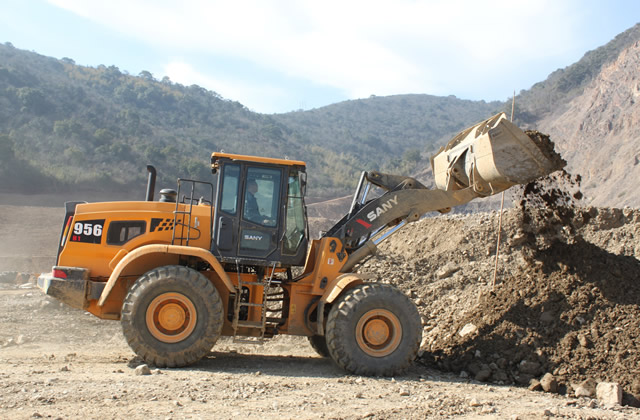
(492, 156)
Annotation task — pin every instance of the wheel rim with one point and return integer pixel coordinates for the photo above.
(378, 332)
(171, 317)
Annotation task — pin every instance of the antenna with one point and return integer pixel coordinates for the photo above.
(495, 265)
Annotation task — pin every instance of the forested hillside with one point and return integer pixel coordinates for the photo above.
(64, 126)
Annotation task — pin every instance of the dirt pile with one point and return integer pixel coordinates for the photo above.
(566, 301)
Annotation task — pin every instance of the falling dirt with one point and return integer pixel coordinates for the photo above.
(547, 147)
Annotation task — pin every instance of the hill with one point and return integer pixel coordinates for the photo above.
(598, 131)
(67, 127)
(563, 85)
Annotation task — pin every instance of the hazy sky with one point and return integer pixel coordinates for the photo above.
(278, 56)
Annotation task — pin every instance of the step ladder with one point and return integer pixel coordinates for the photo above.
(239, 305)
(182, 218)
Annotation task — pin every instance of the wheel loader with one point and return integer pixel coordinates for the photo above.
(238, 261)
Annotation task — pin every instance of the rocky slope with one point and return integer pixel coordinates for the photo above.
(598, 133)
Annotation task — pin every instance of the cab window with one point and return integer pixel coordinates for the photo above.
(295, 221)
(261, 196)
(230, 185)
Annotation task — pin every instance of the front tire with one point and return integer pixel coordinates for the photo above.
(374, 330)
(172, 316)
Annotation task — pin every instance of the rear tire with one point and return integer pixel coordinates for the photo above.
(319, 344)
(374, 330)
(172, 316)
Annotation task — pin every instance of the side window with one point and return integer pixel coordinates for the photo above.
(230, 183)
(295, 227)
(261, 196)
(122, 232)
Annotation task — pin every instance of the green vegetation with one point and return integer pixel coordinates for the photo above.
(96, 128)
(68, 127)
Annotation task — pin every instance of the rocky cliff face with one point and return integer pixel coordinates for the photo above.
(599, 133)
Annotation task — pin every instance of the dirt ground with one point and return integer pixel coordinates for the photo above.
(574, 282)
(64, 363)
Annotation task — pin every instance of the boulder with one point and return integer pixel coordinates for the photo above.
(530, 368)
(586, 388)
(468, 329)
(549, 383)
(609, 394)
(143, 370)
(447, 270)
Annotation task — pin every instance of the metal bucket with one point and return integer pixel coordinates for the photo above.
(492, 156)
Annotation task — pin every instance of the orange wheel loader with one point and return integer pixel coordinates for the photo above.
(237, 261)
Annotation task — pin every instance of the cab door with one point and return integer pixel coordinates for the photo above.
(260, 213)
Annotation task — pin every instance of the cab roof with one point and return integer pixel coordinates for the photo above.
(215, 156)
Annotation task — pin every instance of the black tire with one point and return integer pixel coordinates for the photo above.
(319, 344)
(374, 330)
(172, 316)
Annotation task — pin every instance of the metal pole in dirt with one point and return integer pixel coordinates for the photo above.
(495, 266)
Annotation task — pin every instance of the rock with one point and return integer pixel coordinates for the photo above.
(584, 341)
(518, 239)
(502, 363)
(447, 270)
(530, 368)
(487, 410)
(20, 340)
(474, 402)
(464, 374)
(609, 393)
(586, 388)
(549, 383)
(635, 387)
(474, 368)
(143, 370)
(468, 329)
(523, 379)
(483, 374)
(500, 376)
(534, 385)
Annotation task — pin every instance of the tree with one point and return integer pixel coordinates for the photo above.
(146, 75)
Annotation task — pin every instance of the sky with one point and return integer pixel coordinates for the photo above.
(276, 56)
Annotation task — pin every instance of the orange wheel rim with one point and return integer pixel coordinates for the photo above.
(378, 333)
(171, 317)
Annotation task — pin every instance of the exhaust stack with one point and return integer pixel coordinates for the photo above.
(151, 182)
